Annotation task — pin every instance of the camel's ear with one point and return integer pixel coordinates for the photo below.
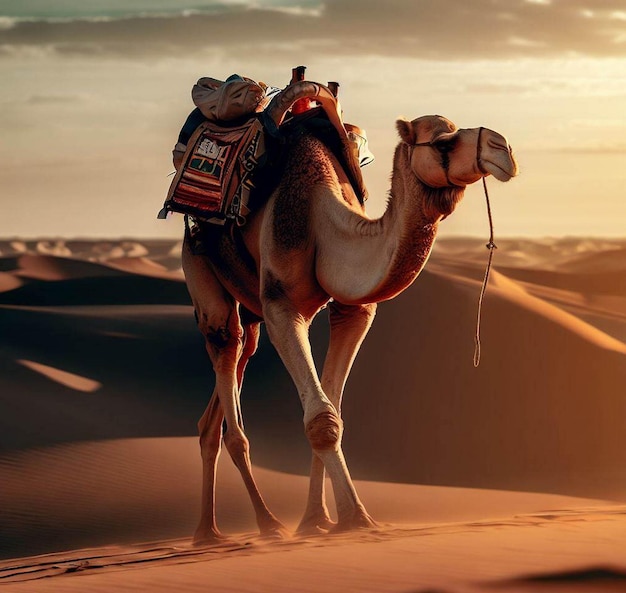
(406, 131)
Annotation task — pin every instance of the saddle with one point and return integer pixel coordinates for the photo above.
(228, 161)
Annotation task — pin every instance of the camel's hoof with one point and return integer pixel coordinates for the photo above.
(360, 520)
(208, 537)
(324, 431)
(274, 530)
(315, 526)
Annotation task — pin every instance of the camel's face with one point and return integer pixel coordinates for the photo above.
(443, 155)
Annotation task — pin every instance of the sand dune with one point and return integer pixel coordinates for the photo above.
(534, 553)
(538, 413)
(103, 376)
(88, 249)
(612, 283)
(604, 261)
(592, 279)
(593, 292)
(71, 380)
(147, 489)
(133, 490)
(583, 255)
(55, 268)
(9, 282)
(145, 267)
(104, 286)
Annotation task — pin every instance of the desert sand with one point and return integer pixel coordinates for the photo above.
(508, 477)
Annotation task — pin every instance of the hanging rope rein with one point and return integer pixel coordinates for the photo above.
(491, 246)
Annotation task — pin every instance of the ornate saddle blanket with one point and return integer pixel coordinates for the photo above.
(214, 181)
(226, 169)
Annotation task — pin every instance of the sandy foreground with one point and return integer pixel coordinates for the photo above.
(430, 538)
(509, 477)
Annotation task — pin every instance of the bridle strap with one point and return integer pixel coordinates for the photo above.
(446, 162)
(479, 150)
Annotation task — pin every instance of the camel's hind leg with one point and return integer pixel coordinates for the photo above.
(210, 428)
(229, 348)
(349, 325)
(235, 439)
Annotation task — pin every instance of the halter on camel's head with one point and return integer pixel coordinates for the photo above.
(477, 152)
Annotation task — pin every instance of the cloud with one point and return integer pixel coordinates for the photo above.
(56, 99)
(496, 88)
(596, 149)
(430, 29)
(7, 22)
(555, 81)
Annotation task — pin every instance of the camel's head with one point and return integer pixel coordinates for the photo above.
(442, 155)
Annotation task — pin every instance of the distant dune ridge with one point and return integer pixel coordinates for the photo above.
(103, 377)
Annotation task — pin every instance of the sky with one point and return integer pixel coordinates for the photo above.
(94, 93)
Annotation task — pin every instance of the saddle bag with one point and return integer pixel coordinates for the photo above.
(215, 181)
(226, 101)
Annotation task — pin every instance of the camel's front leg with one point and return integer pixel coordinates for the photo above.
(288, 331)
(349, 325)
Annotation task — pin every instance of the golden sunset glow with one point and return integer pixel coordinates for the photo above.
(91, 108)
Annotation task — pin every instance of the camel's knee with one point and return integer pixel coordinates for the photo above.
(210, 433)
(237, 445)
(223, 338)
(218, 337)
(219, 331)
(361, 316)
(210, 447)
(324, 431)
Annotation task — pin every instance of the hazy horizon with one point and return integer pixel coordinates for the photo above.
(95, 95)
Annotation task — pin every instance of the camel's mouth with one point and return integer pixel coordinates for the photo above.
(500, 173)
(494, 155)
(501, 164)
(497, 157)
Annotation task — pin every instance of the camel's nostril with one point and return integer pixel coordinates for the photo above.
(498, 143)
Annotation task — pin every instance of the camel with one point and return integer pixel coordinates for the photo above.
(312, 246)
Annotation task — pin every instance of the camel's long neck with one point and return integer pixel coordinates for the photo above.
(409, 227)
(399, 243)
(410, 223)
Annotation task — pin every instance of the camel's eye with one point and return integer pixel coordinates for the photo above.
(445, 144)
